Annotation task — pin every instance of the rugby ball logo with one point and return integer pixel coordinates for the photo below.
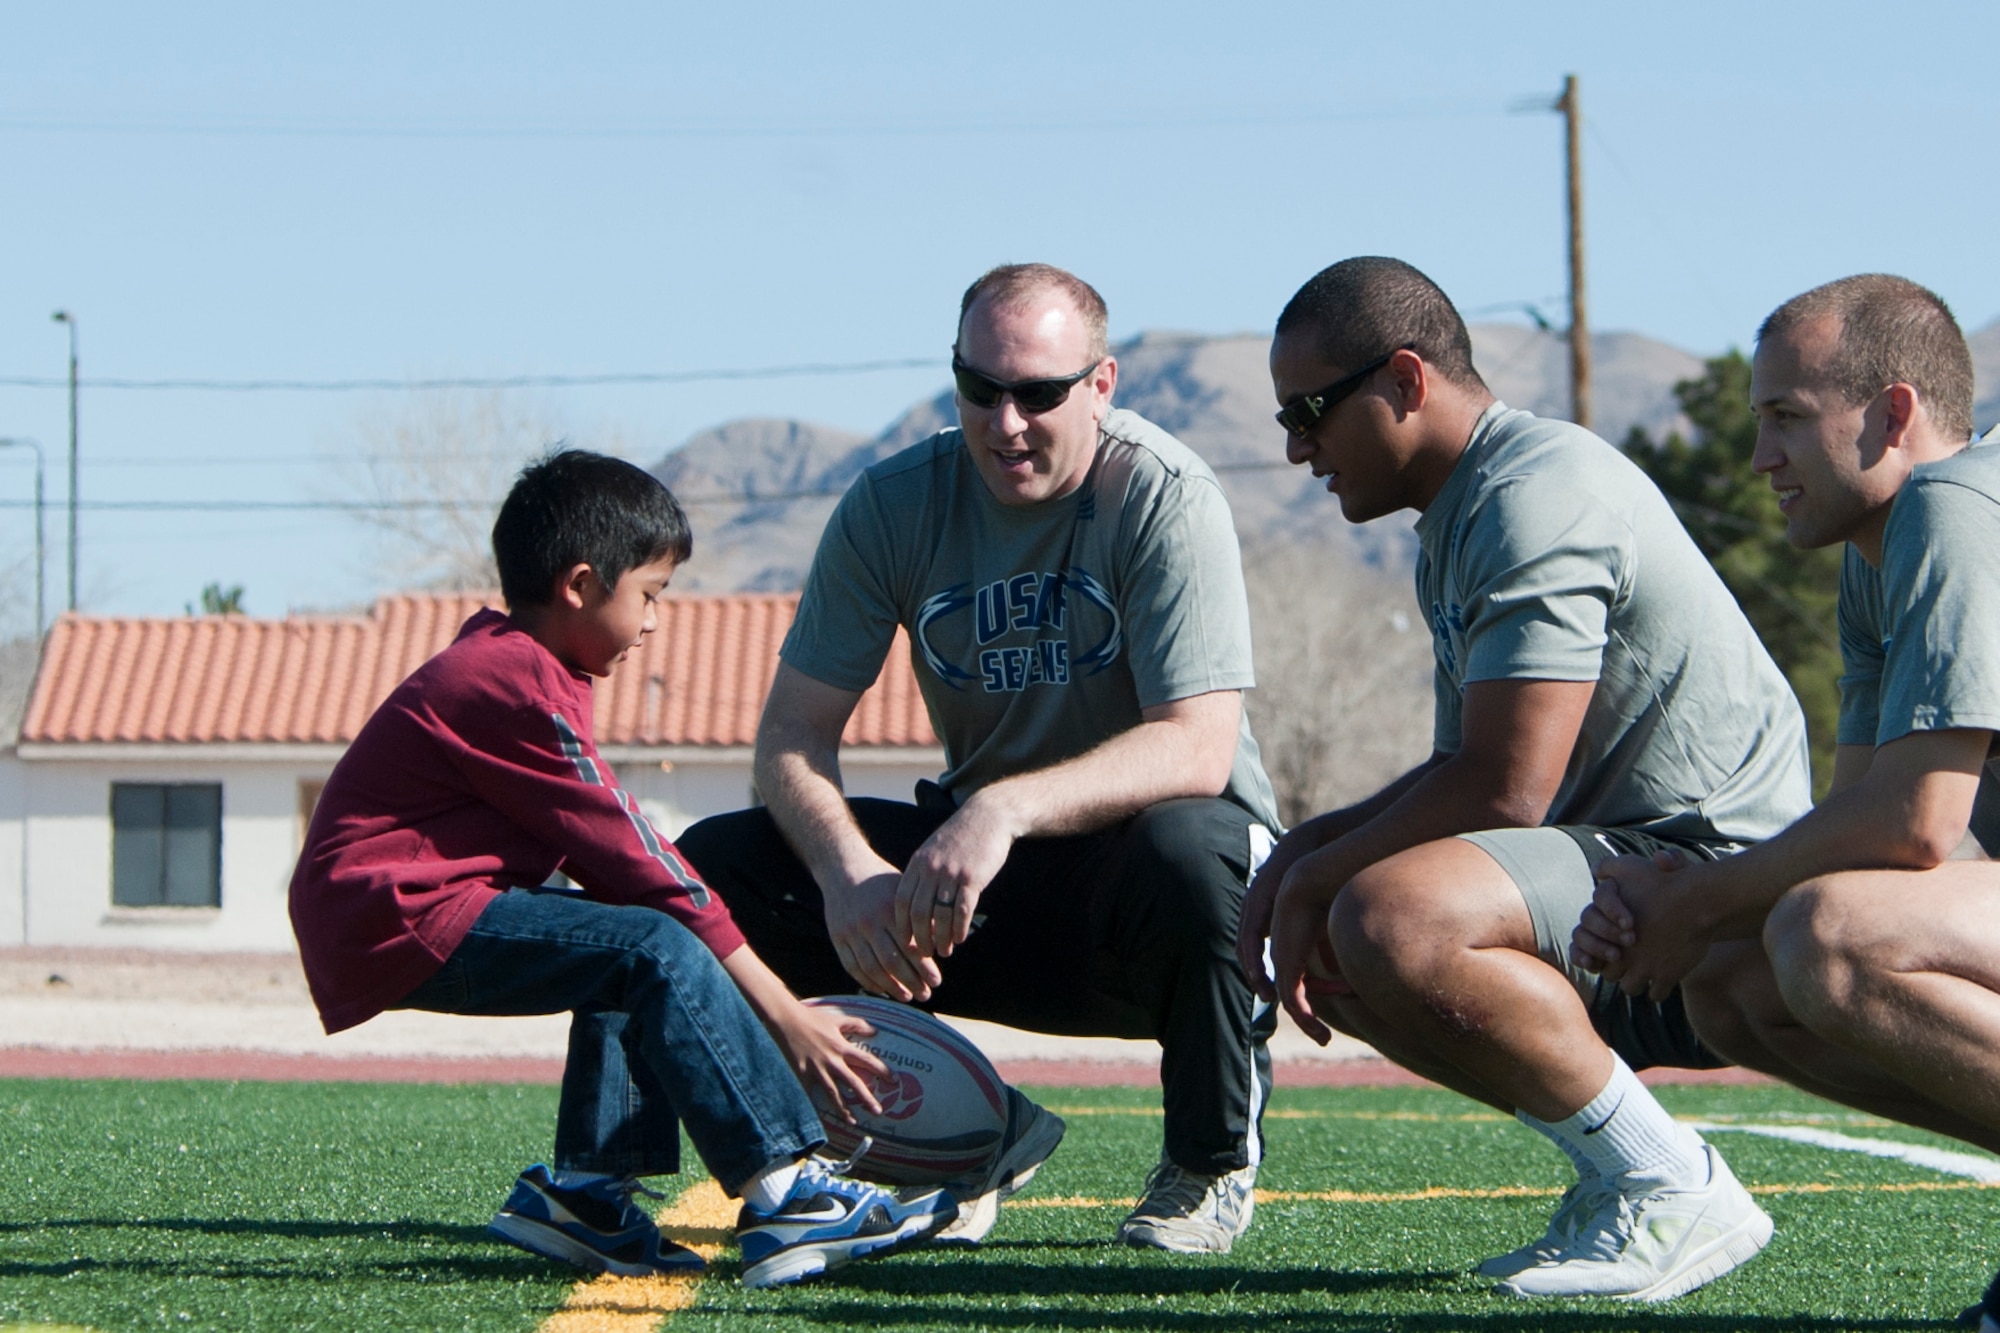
(901, 1095)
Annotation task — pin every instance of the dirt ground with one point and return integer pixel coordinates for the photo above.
(140, 975)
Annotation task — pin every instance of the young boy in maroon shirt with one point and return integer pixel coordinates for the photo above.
(421, 887)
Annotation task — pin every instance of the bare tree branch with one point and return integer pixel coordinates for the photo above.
(460, 448)
(1343, 698)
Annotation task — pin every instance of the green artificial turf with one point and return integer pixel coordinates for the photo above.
(267, 1205)
(362, 1207)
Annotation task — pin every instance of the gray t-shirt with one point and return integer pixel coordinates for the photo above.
(1920, 637)
(1549, 556)
(1039, 631)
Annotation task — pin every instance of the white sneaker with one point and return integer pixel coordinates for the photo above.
(1657, 1245)
(1579, 1214)
(1032, 1134)
(1190, 1213)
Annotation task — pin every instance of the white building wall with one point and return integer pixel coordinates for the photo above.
(65, 829)
(55, 831)
(12, 852)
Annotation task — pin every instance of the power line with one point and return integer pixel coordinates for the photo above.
(442, 505)
(378, 384)
(289, 460)
(332, 127)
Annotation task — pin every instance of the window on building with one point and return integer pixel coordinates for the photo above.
(309, 794)
(166, 844)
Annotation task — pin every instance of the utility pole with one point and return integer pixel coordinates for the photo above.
(1579, 321)
(65, 317)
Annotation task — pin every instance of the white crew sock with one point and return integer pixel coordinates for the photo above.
(1586, 1170)
(1624, 1131)
(765, 1192)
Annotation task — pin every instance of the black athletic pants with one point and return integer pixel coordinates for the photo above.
(1130, 932)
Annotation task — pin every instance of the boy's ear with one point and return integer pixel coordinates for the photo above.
(574, 588)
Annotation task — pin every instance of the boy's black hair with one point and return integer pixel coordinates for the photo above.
(575, 507)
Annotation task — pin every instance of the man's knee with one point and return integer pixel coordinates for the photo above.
(1729, 1001)
(1822, 940)
(1191, 857)
(1395, 919)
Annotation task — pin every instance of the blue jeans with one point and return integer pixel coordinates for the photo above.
(660, 1036)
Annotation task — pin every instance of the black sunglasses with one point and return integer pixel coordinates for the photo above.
(1301, 414)
(1031, 396)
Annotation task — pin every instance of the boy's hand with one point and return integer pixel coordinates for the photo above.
(875, 950)
(833, 1069)
(815, 1040)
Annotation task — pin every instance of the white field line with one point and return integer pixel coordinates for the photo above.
(1933, 1159)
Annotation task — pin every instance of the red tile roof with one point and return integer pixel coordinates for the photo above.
(699, 680)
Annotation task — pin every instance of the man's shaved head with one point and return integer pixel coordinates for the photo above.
(1360, 309)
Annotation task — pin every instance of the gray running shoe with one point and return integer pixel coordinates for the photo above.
(1580, 1213)
(1190, 1213)
(1656, 1245)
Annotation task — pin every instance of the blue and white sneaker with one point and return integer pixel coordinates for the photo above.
(828, 1220)
(595, 1225)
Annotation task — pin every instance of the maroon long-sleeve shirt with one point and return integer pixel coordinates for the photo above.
(477, 775)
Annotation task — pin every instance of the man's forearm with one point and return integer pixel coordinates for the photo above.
(807, 803)
(1323, 829)
(1185, 753)
(1871, 825)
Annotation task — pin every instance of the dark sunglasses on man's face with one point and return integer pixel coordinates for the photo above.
(1031, 396)
(1303, 413)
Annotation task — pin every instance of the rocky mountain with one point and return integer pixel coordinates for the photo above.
(759, 491)
(1985, 346)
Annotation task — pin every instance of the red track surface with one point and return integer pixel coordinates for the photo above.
(255, 1066)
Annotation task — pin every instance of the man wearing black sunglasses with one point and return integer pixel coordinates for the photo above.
(1598, 691)
(1068, 577)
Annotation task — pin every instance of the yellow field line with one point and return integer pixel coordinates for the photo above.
(703, 1218)
(700, 1219)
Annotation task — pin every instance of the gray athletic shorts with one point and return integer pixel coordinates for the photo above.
(1556, 871)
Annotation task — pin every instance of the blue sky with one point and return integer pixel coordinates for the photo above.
(377, 191)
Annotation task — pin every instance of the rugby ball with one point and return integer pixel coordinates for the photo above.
(944, 1106)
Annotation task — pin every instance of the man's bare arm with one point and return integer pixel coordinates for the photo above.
(1906, 805)
(1908, 810)
(1517, 739)
(798, 775)
(1518, 736)
(1182, 748)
